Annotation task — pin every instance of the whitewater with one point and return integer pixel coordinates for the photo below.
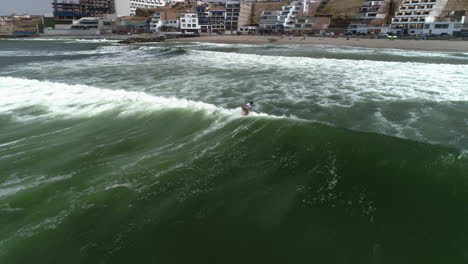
(115, 153)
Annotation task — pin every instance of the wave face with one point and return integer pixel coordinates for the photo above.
(112, 153)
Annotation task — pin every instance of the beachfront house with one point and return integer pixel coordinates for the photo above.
(372, 18)
(217, 20)
(247, 29)
(413, 14)
(288, 15)
(237, 14)
(164, 22)
(204, 19)
(189, 23)
(311, 24)
(269, 21)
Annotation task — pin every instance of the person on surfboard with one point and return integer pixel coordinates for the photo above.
(247, 108)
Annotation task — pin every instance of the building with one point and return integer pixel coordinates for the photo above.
(189, 23)
(288, 16)
(132, 24)
(97, 8)
(66, 11)
(69, 10)
(447, 27)
(311, 24)
(374, 12)
(129, 7)
(247, 29)
(83, 26)
(237, 14)
(6, 26)
(217, 20)
(269, 21)
(413, 14)
(204, 19)
(164, 22)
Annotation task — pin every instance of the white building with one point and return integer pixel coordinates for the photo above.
(189, 23)
(413, 14)
(288, 15)
(83, 26)
(163, 19)
(269, 20)
(128, 7)
(448, 28)
(247, 29)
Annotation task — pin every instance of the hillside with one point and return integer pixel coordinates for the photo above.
(341, 9)
(457, 5)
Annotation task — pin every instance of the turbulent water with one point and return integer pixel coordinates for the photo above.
(139, 154)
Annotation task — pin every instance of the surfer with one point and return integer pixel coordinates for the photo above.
(247, 108)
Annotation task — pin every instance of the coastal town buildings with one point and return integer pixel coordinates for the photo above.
(413, 14)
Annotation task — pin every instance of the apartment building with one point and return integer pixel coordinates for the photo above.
(311, 24)
(67, 11)
(189, 23)
(237, 14)
(129, 7)
(217, 20)
(204, 19)
(413, 14)
(374, 12)
(269, 21)
(164, 21)
(97, 8)
(288, 15)
(373, 18)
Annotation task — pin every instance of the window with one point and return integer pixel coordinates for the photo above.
(441, 26)
(194, 25)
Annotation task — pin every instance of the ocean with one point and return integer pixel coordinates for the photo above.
(115, 153)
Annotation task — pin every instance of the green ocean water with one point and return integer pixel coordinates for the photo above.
(139, 154)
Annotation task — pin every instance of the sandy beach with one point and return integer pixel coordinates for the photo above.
(426, 45)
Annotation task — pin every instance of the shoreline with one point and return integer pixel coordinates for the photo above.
(403, 44)
(399, 44)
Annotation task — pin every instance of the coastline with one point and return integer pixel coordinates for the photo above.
(404, 44)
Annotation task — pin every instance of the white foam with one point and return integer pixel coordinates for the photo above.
(112, 49)
(15, 187)
(63, 100)
(343, 82)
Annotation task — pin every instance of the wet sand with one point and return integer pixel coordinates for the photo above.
(426, 45)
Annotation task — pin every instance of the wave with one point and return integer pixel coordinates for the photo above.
(32, 99)
(162, 173)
